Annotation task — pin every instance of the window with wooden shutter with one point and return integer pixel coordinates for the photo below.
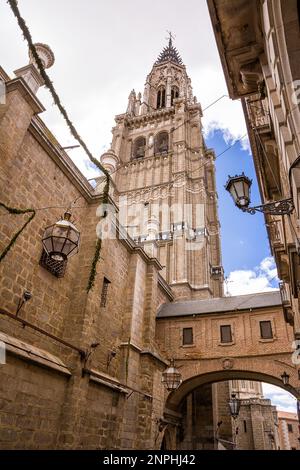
(187, 336)
(226, 336)
(266, 330)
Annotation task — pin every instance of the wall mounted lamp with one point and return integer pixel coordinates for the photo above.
(239, 188)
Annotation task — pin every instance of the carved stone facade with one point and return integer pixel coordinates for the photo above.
(165, 176)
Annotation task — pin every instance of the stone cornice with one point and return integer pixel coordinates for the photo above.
(155, 356)
(131, 246)
(153, 115)
(106, 380)
(192, 287)
(132, 192)
(28, 352)
(136, 161)
(165, 287)
(166, 63)
(3, 75)
(21, 86)
(48, 142)
(145, 352)
(196, 356)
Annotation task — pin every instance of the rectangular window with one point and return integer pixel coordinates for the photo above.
(290, 428)
(266, 330)
(105, 285)
(245, 426)
(187, 336)
(226, 336)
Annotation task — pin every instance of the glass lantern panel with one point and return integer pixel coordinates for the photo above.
(246, 189)
(58, 243)
(239, 189)
(73, 235)
(47, 243)
(68, 247)
(48, 231)
(60, 231)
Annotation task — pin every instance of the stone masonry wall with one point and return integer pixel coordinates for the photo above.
(85, 405)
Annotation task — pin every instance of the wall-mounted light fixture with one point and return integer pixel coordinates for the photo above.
(234, 406)
(285, 378)
(171, 377)
(239, 188)
(61, 240)
(25, 297)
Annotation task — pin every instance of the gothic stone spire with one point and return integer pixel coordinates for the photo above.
(169, 53)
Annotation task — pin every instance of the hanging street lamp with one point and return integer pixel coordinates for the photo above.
(234, 406)
(285, 378)
(239, 189)
(171, 377)
(61, 240)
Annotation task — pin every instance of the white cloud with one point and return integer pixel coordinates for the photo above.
(283, 400)
(250, 281)
(225, 115)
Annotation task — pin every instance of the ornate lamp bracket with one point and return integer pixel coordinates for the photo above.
(283, 207)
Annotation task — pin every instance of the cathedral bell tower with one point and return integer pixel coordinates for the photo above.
(165, 179)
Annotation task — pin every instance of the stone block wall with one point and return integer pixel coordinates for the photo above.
(54, 397)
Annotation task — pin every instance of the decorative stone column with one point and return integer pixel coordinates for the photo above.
(30, 73)
(109, 160)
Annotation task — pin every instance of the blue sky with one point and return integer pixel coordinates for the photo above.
(243, 236)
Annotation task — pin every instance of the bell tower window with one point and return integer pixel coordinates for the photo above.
(139, 147)
(161, 98)
(161, 144)
(174, 94)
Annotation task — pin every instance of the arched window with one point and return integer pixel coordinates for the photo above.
(174, 93)
(161, 143)
(139, 147)
(161, 97)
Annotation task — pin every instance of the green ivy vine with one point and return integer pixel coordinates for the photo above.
(13, 210)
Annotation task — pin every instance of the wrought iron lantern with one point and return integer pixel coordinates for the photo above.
(61, 240)
(234, 406)
(285, 378)
(239, 188)
(171, 377)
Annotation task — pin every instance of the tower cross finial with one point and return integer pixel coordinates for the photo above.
(170, 38)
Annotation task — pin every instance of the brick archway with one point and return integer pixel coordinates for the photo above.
(202, 372)
(263, 369)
